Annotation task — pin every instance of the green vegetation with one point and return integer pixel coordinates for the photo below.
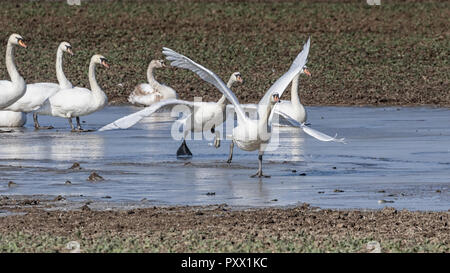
(197, 242)
(394, 54)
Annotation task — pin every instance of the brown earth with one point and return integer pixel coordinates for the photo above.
(187, 228)
(393, 54)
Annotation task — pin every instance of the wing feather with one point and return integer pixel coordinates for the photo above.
(205, 74)
(132, 119)
(280, 85)
(312, 132)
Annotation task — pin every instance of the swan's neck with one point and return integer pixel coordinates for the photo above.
(92, 80)
(223, 99)
(294, 90)
(10, 64)
(151, 79)
(64, 83)
(264, 115)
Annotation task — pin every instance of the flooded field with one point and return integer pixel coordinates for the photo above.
(397, 157)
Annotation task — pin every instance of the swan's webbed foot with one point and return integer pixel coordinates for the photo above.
(79, 130)
(183, 151)
(39, 127)
(43, 127)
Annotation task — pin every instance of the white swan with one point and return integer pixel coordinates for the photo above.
(249, 134)
(206, 116)
(293, 108)
(290, 108)
(77, 101)
(37, 93)
(11, 91)
(152, 92)
(12, 119)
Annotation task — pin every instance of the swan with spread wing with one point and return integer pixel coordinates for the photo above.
(204, 116)
(250, 134)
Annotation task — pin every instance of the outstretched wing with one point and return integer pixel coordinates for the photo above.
(205, 74)
(312, 132)
(280, 85)
(130, 120)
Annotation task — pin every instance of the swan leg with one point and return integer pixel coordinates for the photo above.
(230, 156)
(217, 140)
(259, 173)
(78, 124)
(36, 123)
(78, 129)
(71, 124)
(183, 151)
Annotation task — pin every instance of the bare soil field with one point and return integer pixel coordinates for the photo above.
(39, 226)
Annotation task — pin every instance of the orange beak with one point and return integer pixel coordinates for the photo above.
(306, 71)
(239, 79)
(70, 51)
(105, 64)
(22, 44)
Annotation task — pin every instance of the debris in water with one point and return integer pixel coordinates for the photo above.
(385, 201)
(11, 184)
(68, 182)
(338, 190)
(95, 177)
(59, 198)
(75, 166)
(210, 193)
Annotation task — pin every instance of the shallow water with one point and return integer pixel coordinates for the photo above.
(393, 154)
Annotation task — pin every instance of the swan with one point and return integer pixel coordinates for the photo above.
(293, 108)
(249, 134)
(152, 92)
(12, 119)
(210, 114)
(11, 91)
(77, 101)
(37, 93)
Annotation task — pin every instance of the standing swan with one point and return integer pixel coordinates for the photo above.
(205, 116)
(152, 92)
(293, 108)
(290, 113)
(78, 101)
(37, 93)
(11, 91)
(12, 119)
(249, 134)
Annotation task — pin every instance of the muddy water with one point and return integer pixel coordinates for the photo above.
(397, 157)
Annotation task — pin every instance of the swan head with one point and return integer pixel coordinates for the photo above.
(157, 63)
(66, 47)
(275, 98)
(17, 39)
(101, 60)
(236, 77)
(306, 71)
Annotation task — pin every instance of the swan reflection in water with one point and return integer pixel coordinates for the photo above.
(31, 145)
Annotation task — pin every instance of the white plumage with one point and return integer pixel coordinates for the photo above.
(11, 91)
(153, 91)
(249, 134)
(77, 101)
